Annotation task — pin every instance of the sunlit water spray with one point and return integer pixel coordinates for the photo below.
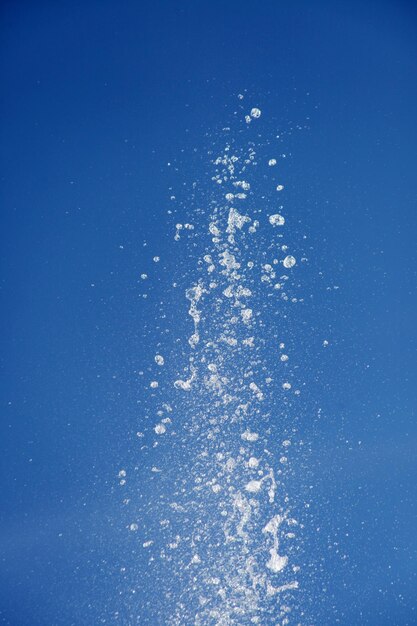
(227, 531)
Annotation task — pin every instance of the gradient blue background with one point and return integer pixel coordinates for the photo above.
(97, 98)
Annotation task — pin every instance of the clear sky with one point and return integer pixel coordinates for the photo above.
(98, 98)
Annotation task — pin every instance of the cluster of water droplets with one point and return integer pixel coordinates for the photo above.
(231, 534)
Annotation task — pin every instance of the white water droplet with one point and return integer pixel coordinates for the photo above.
(253, 486)
(248, 436)
(277, 220)
(289, 261)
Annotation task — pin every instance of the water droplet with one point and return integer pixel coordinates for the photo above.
(277, 220)
(289, 261)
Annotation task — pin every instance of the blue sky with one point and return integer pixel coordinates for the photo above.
(98, 98)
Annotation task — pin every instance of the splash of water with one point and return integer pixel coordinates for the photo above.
(231, 529)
